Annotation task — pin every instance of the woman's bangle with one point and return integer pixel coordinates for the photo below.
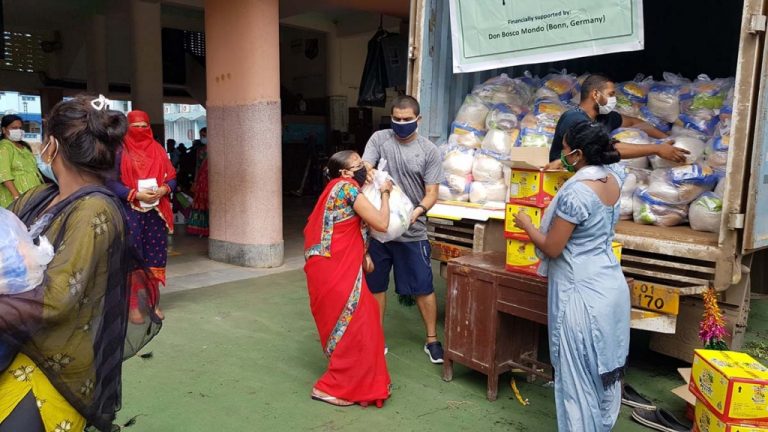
(384, 192)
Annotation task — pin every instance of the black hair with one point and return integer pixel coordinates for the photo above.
(593, 82)
(88, 138)
(205, 129)
(338, 162)
(594, 141)
(170, 140)
(405, 102)
(10, 118)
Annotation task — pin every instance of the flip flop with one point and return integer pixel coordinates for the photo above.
(330, 400)
(659, 419)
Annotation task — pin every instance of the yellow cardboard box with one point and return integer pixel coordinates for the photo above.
(535, 187)
(521, 256)
(706, 421)
(733, 385)
(617, 248)
(510, 230)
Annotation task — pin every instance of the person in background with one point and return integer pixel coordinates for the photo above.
(187, 162)
(588, 298)
(198, 219)
(148, 209)
(69, 333)
(415, 165)
(173, 152)
(202, 150)
(18, 170)
(598, 100)
(345, 312)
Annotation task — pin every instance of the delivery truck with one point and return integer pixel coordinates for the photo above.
(671, 266)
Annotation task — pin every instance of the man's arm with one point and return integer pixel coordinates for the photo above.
(665, 151)
(627, 121)
(429, 200)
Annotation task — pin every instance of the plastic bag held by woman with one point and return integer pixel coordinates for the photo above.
(22, 263)
(400, 206)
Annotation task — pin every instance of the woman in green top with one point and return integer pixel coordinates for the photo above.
(18, 169)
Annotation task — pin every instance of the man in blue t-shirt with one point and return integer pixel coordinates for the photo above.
(598, 99)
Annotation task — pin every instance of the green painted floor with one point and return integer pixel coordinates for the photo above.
(243, 356)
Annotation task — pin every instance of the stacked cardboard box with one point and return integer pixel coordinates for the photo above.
(530, 192)
(731, 390)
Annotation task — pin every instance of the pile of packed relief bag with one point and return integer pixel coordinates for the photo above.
(500, 114)
(503, 113)
(697, 115)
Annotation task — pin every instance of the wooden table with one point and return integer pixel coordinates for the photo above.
(493, 318)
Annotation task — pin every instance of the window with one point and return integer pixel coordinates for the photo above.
(28, 98)
(194, 43)
(23, 53)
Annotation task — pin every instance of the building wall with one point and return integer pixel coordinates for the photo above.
(347, 39)
(298, 73)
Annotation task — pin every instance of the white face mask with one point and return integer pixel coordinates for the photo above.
(15, 135)
(608, 107)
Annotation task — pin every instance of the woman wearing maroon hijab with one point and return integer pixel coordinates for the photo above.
(145, 181)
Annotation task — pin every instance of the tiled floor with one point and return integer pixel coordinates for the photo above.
(189, 266)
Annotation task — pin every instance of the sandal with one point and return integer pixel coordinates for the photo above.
(331, 400)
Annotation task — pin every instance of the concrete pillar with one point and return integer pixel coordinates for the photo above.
(334, 66)
(244, 132)
(96, 44)
(147, 50)
(49, 97)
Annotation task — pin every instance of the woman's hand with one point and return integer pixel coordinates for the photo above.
(523, 221)
(147, 197)
(386, 187)
(162, 191)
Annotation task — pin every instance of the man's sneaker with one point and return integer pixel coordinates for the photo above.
(435, 352)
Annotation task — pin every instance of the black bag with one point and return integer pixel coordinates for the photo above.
(374, 82)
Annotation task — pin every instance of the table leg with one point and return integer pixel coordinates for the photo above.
(493, 386)
(447, 370)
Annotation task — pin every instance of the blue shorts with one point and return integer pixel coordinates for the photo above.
(411, 262)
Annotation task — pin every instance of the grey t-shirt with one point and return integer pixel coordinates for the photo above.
(412, 166)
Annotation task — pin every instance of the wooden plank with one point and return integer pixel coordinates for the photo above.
(666, 275)
(652, 321)
(627, 258)
(681, 234)
(464, 240)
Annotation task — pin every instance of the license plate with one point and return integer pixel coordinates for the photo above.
(655, 297)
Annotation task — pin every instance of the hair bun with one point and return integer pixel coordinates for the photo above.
(107, 126)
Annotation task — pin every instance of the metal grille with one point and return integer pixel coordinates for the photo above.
(194, 43)
(23, 53)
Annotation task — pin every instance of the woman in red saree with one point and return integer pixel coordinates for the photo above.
(345, 312)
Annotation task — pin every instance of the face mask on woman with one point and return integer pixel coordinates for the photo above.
(360, 175)
(45, 168)
(15, 135)
(570, 167)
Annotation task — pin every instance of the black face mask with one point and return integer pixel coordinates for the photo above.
(360, 175)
